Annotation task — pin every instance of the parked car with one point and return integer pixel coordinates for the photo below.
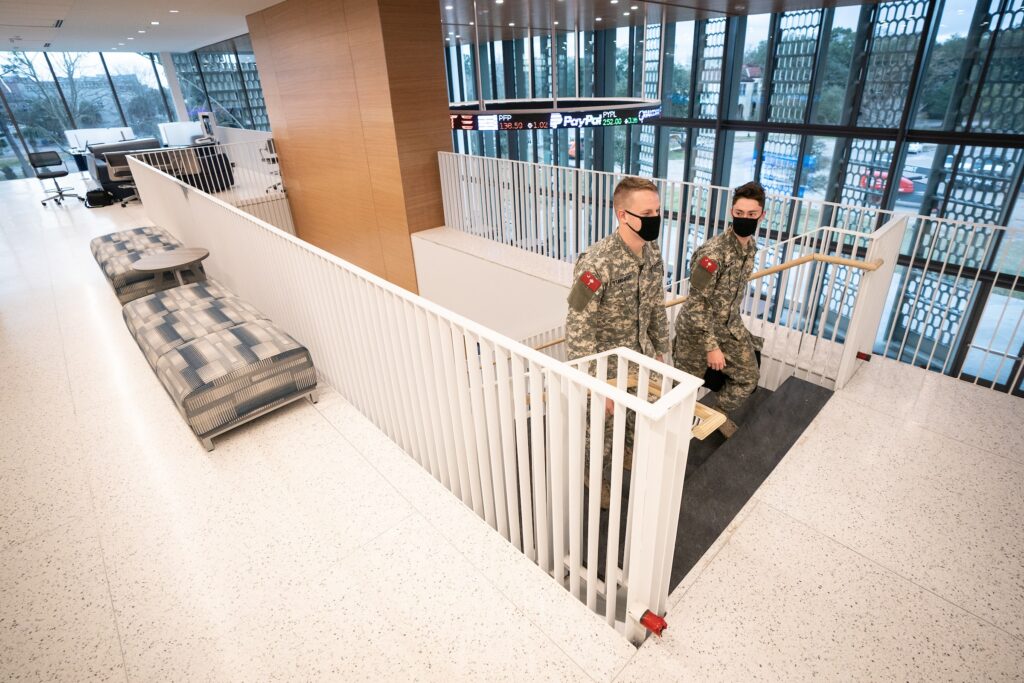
(877, 181)
(915, 147)
(987, 173)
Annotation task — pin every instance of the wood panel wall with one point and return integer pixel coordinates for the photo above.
(357, 100)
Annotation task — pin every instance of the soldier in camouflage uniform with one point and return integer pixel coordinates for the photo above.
(618, 296)
(710, 333)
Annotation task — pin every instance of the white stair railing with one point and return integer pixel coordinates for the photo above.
(246, 175)
(814, 317)
(503, 427)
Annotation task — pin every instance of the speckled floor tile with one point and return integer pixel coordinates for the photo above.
(937, 511)
(819, 612)
(597, 648)
(975, 415)
(56, 621)
(885, 385)
(44, 483)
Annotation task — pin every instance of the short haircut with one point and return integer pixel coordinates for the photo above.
(628, 186)
(751, 190)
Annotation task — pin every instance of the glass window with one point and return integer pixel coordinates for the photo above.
(893, 52)
(817, 168)
(1000, 106)
(251, 80)
(192, 91)
(703, 155)
(142, 97)
(678, 61)
(795, 50)
(709, 68)
(86, 89)
(676, 151)
(941, 101)
(744, 158)
(780, 164)
(834, 68)
(13, 162)
(35, 101)
(223, 79)
(749, 91)
(998, 338)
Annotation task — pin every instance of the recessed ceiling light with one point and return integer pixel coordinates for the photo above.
(154, 23)
(120, 43)
(141, 30)
(174, 11)
(625, 14)
(511, 23)
(449, 8)
(451, 33)
(129, 38)
(597, 18)
(634, 7)
(457, 35)
(471, 23)
(499, 2)
(556, 23)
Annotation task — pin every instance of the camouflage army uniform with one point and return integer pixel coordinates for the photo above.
(617, 299)
(710, 319)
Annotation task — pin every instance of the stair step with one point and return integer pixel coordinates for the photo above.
(721, 476)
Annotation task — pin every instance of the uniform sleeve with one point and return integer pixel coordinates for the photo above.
(700, 306)
(658, 330)
(581, 320)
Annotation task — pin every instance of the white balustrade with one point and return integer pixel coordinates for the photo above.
(245, 174)
(503, 427)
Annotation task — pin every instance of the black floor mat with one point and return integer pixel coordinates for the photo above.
(722, 475)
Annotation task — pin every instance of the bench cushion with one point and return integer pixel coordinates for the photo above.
(144, 309)
(117, 253)
(171, 329)
(225, 375)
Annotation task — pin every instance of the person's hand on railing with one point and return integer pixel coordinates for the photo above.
(716, 359)
(609, 406)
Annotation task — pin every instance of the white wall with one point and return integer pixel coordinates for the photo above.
(506, 289)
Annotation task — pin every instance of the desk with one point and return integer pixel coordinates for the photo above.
(163, 263)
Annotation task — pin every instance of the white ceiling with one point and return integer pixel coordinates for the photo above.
(99, 25)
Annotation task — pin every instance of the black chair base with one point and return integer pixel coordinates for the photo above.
(59, 194)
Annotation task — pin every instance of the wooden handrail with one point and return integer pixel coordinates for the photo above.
(836, 260)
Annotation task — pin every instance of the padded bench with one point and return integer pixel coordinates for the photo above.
(220, 360)
(115, 253)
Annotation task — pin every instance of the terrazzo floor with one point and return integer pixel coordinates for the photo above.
(307, 546)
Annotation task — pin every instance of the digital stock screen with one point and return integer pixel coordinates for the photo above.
(593, 114)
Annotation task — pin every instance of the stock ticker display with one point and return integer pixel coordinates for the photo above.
(552, 120)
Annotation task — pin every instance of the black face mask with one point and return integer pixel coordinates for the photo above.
(744, 227)
(650, 226)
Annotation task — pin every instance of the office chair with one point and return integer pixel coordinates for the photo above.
(120, 172)
(269, 156)
(50, 166)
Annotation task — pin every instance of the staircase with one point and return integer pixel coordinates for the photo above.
(722, 475)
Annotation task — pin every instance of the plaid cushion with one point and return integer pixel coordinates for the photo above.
(139, 236)
(167, 331)
(225, 375)
(141, 311)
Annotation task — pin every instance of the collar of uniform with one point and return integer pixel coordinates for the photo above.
(740, 249)
(625, 247)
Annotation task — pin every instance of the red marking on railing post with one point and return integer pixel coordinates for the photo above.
(863, 356)
(653, 623)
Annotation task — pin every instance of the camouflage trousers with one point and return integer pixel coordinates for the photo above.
(741, 370)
